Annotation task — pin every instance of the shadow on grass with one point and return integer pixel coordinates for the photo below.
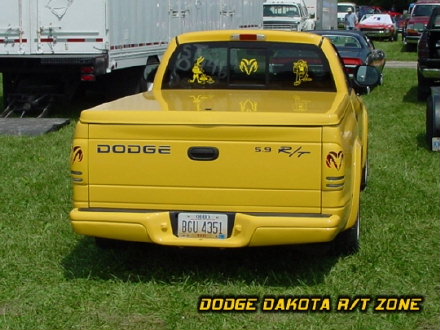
(410, 48)
(411, 95)
(275, 266)
(422, 141)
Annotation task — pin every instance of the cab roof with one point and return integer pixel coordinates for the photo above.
(250, 35)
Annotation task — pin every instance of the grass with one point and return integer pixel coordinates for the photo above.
(51, 278)
(396, 51)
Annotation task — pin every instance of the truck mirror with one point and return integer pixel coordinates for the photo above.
(365, 78)
(149, 74)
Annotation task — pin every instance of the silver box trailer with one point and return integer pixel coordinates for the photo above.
(324, 12)
(51, 48)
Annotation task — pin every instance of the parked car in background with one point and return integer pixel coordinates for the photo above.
(356, 49)
(365, 10)
(380, 26)
(401, 21)
(418, 20)
(343, 10)
(428, 76)
(428, 56)
(392, 13)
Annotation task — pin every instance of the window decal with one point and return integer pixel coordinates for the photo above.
(249, 66)
(199, 74)
(301, 71)
(198, 100)
(248, 106)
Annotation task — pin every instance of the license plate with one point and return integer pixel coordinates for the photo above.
(435, 144)
(202, 225)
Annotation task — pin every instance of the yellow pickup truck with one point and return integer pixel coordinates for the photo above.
(247, 138)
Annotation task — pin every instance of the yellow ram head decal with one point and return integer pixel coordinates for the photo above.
(249, 66)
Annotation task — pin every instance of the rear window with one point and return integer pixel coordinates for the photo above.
(249, 65)
(341, 41)
(423, 10)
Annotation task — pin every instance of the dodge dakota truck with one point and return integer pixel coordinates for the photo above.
(247, 138)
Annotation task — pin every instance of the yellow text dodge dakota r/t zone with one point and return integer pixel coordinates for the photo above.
(248, 138)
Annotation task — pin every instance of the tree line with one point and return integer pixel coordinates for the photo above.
(397, 5)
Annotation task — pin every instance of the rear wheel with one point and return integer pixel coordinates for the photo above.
(364, 178)
(347, 242)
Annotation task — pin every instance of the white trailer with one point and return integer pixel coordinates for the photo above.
(324, 12)
(51, 48)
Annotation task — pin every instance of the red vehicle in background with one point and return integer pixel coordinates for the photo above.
(380, 26)
(418, 20)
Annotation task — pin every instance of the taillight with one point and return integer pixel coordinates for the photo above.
(87, 69)
(88, 73)
(248, 37)
(353, 61)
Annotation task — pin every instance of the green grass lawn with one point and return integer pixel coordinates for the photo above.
(51, 278)
(396, 51)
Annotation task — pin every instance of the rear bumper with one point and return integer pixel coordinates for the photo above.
(53, 64)
(412, 39)
(430, 73)
(248, 229)
(429, 68)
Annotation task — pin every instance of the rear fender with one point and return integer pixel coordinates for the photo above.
(356, 185)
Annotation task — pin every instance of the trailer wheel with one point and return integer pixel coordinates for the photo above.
(433, 116)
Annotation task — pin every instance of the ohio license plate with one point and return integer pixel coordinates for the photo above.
(202, 225)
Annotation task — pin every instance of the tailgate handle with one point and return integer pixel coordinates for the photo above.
(203, 153)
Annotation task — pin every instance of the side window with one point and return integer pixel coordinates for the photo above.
(437, 22)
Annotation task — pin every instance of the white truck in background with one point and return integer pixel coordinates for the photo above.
(56, 48)
(290, 15)
(324, 13)
(343, 8)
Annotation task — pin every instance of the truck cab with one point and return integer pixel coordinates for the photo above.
(286, 15)
(418, 21)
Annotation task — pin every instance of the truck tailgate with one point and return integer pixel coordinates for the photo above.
(205, 167)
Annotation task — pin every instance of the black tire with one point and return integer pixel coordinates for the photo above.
(423, 89)
(432, 119)
(347, 242)
(364, 179)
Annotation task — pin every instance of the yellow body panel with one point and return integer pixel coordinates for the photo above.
(287, 170)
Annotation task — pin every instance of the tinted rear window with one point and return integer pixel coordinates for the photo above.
(249, 65)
